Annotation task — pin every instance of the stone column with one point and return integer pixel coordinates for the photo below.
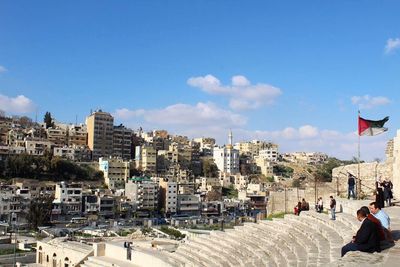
(396, 166)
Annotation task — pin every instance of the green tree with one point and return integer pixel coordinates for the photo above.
(39, 213)
(48, 120)
(296, 183)
(210, 169)
(283, 170)
(270, 179)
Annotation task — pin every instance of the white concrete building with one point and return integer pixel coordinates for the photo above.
(36, 146)
(227, 158)
(67, 199)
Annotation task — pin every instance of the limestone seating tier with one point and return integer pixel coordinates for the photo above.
(276, 238)
(210, 255)
(311, 239)
(299, 252)
(266, 246)
(255, 247)
(215, 251)
(248, 249)
(335, 241)
(312, 232)
(341, 228)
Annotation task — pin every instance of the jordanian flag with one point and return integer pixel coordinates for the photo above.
(371, 128)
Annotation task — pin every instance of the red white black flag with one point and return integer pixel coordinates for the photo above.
(371, 128)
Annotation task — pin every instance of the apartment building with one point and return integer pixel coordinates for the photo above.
(116, 172)
(168, 196)
(13, 201)
(122, 140)
(73, 153)
(166, 159)
(100, 131)
(37, 146)
(206, 145)
(188, 204)
(57, 136)
(67, 199)
(77, 135)
(142, 192)
(146, 158)
(264, 165)
(254, 148)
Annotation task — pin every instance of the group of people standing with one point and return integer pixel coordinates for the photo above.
(383, 190)
(374, 230)
(384, 193)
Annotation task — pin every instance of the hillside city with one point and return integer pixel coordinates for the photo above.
(99, 179)
(99, 194)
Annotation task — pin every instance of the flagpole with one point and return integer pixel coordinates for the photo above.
(358, 175)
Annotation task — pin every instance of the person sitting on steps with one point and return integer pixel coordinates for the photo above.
(367, 237)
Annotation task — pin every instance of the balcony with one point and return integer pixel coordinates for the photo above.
(190, 208)
(189, 202)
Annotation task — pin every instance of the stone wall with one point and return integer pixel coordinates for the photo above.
(369, 172)
(396, 165)
(286, 201)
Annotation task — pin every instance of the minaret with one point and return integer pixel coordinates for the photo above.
(230, 140)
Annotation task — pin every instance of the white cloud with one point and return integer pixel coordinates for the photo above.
(126, 114)
(368, 102)
(392, 44)
(16, 105)
(199, 119)
(241, 93)
(2, 69)
(308, 131)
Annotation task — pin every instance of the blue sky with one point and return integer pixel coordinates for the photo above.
(293, 72)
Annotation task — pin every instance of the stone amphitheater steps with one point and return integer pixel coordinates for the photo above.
(299, 253)
(205, 244)
(334, 238)
(252, 251)
(314, 235)
(311, 239)
(268, 253)
(275, 237)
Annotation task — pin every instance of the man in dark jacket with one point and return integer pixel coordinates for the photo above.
(367, 237)
(351, 183)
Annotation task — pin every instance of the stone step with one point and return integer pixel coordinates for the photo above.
(278, 255)
(174, 259)
(285, 246)
(297, 249)
(200, 258)
(190, 260)
(224, 250)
